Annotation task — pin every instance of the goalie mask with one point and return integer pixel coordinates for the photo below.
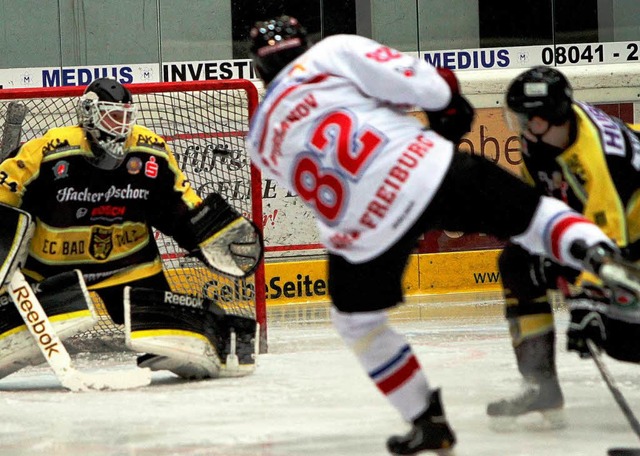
(107, 114)
(541, 91)
(275, 43)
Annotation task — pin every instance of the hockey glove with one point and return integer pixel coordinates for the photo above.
(618, 274)
(588, 320)
(227, 242)
(454, 121)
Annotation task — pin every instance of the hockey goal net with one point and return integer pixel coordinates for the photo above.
(204, 123)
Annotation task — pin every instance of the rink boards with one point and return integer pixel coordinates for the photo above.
(298, 282)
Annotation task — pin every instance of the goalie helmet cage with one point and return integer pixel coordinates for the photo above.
(204, 123)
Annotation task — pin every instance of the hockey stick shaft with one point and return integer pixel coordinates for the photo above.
(615, 391)
(55, 353)
(40, 327)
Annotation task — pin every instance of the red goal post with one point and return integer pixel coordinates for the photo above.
(205, 124)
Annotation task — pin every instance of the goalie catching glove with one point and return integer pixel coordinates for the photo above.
(226, 241)
(454, 121)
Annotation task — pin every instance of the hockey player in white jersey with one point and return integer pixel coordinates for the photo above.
(333, 128)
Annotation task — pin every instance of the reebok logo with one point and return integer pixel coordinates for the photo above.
(182, 300)
(34, 320)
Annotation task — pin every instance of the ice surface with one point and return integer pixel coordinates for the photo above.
(308, 397)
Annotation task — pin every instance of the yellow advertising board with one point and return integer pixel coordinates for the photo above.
(296, 282)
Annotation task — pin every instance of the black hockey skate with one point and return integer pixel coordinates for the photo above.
(541, 388)
(430, 432)
(545, 397)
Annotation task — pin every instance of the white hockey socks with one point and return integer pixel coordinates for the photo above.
(387, 358)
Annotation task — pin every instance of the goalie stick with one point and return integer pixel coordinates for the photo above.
(619, 398)
(12, 129)
(56, 355)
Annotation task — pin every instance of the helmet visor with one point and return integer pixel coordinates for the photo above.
(516, 121)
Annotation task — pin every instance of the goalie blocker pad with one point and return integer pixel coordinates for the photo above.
(227, 242)
(66, 301)
(190, 336)
(16, 230)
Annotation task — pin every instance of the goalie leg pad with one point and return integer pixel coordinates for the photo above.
(68, 305)
(174, 329)
(187, 335)
(16, 230)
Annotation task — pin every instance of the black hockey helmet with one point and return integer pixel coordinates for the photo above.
(540, 91)
(275, 43)
(107, 114)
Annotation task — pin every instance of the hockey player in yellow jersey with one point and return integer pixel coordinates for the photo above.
(574, 152)
(95, 191)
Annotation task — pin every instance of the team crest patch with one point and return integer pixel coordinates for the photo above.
(61, 169)
(134, 165)
(101, 243)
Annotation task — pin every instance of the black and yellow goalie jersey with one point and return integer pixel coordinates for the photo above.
(91, 219)
(597, 175)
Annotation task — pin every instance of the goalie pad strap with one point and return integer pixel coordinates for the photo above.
(16, 230)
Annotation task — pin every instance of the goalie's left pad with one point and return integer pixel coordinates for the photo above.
(188, 335)
(227, 242)
(16, 230)
(67, 303)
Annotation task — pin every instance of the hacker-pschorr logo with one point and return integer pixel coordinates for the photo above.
(101, 243)
(182, 300)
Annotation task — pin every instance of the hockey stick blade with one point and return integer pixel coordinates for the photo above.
(623, 452)
(12, 129)
(75, 380)
(55, 353)
(613, 387)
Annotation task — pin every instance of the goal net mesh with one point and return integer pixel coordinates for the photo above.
(205, 124)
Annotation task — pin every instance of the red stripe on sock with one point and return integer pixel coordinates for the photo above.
(399, 377)
(559, 229)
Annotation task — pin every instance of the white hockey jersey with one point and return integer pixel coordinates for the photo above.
(333, 128)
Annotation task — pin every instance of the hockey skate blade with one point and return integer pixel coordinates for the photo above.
(78, 381)
(623, 452)
(548, 420)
